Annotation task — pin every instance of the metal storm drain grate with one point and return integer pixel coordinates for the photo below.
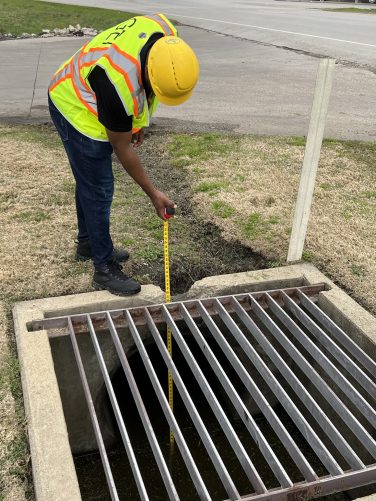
(292, 396)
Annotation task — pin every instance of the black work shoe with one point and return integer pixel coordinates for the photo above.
(83, 252)
(110, 277)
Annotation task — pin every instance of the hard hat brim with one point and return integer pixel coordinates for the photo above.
(169, 101)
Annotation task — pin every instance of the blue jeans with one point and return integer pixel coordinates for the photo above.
(91, 165)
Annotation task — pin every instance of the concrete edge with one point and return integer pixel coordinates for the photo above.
(54, 473)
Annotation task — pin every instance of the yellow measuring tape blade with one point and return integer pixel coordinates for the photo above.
(169, 334)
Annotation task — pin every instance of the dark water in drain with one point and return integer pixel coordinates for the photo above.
(89, 468)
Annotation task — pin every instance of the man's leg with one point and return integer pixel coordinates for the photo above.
(91, 164)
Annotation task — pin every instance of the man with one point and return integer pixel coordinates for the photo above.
(100, 100)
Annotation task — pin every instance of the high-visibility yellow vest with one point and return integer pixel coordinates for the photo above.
(117, 50)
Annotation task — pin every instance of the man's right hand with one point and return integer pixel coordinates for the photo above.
(160, 202)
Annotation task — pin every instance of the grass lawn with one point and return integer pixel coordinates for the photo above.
(235, 197)
(31, 16)
(355, 10)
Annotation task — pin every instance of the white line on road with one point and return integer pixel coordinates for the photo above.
(273, 29)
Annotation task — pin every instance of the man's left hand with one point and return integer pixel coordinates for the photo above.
(138, 138)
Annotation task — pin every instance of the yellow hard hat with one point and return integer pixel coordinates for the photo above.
(173, 70)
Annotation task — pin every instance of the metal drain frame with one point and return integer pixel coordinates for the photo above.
(188, 310)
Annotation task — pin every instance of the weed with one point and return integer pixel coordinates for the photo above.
(353, 10)
(222, 209)
(296, 141)
(186, 149)
(273, 220)
(358, 271)
(149, 253)
(369, 194)
(308, 256)
(33, 216)
(211, 187)
(251, 227)
(128, 242)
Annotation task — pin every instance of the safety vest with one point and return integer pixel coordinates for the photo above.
(117, 50)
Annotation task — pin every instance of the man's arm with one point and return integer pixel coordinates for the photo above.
(127, 155)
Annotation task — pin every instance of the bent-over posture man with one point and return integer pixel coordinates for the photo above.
(100, 100)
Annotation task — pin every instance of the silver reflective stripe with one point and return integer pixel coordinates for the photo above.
(166, 28)
(61, 74)
(125, 64)
(86, 95)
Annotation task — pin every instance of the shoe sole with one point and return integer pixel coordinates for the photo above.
(98, 287)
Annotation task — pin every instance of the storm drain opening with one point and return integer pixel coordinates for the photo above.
(272, 399)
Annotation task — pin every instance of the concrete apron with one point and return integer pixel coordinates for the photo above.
(46, 364)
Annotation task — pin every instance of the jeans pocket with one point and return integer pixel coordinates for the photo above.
(60, 123)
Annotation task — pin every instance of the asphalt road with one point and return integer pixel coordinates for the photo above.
(258, 67)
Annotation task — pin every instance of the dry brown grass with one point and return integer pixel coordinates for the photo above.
(246, 186)
(257, 183)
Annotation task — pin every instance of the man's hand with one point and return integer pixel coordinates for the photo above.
(138, 138)
(160, 202)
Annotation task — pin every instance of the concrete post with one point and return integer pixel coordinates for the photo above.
(311, 159)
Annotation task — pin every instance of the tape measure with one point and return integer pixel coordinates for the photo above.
(169, 212)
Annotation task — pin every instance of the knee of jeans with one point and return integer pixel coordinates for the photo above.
(103, 193)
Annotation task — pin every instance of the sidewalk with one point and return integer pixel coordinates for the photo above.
(244, 87)
(30, 65)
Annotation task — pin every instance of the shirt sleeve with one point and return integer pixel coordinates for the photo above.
(111, 112)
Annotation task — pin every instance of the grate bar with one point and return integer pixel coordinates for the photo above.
(93, 415)
(212, 400)
(179, 438)
(338, 333)
(305, 428)
(119, 419)
(195, 416)
(167, 480)
(335, 402)
(242, 410)
(321, 418)
(320, 488)
(260, 400)
(341, 356)
(368, 412)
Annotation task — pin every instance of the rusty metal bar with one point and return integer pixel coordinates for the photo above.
(220, 415)
(305, 428)
(352, 393)
(333, 400)
(167, 480)
(341, 336)
(326, 424)
(93, 415)
(99, 318)
(186, 454)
